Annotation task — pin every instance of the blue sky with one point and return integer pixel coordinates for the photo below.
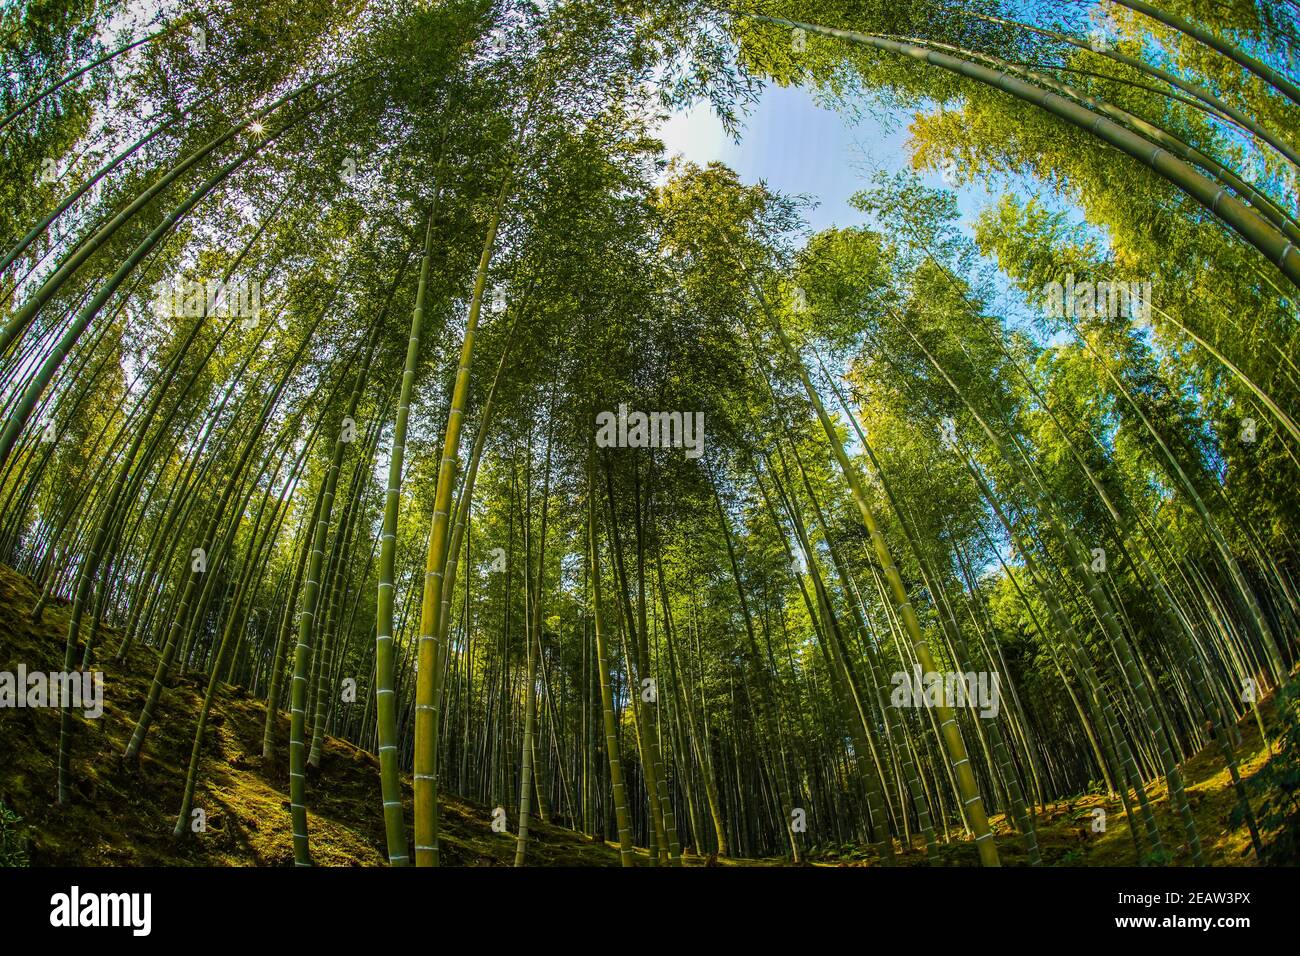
(799, 146)
(793, 144)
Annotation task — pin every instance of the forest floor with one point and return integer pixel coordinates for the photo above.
(125, 818)
(1065, 827)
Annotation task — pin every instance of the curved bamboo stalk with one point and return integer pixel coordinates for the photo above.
(1243, 220)
(1241, 58)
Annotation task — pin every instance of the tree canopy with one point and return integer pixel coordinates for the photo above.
(377, 358)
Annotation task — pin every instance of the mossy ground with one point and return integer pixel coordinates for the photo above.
(125, 818)
(1065, 827)
(121, 817)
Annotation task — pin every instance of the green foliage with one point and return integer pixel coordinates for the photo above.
(971, 453)
(1276, 787)
(13, 839)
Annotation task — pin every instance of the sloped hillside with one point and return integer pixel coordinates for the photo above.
(119, 818)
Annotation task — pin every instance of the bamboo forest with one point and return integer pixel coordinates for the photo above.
(424, 446)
